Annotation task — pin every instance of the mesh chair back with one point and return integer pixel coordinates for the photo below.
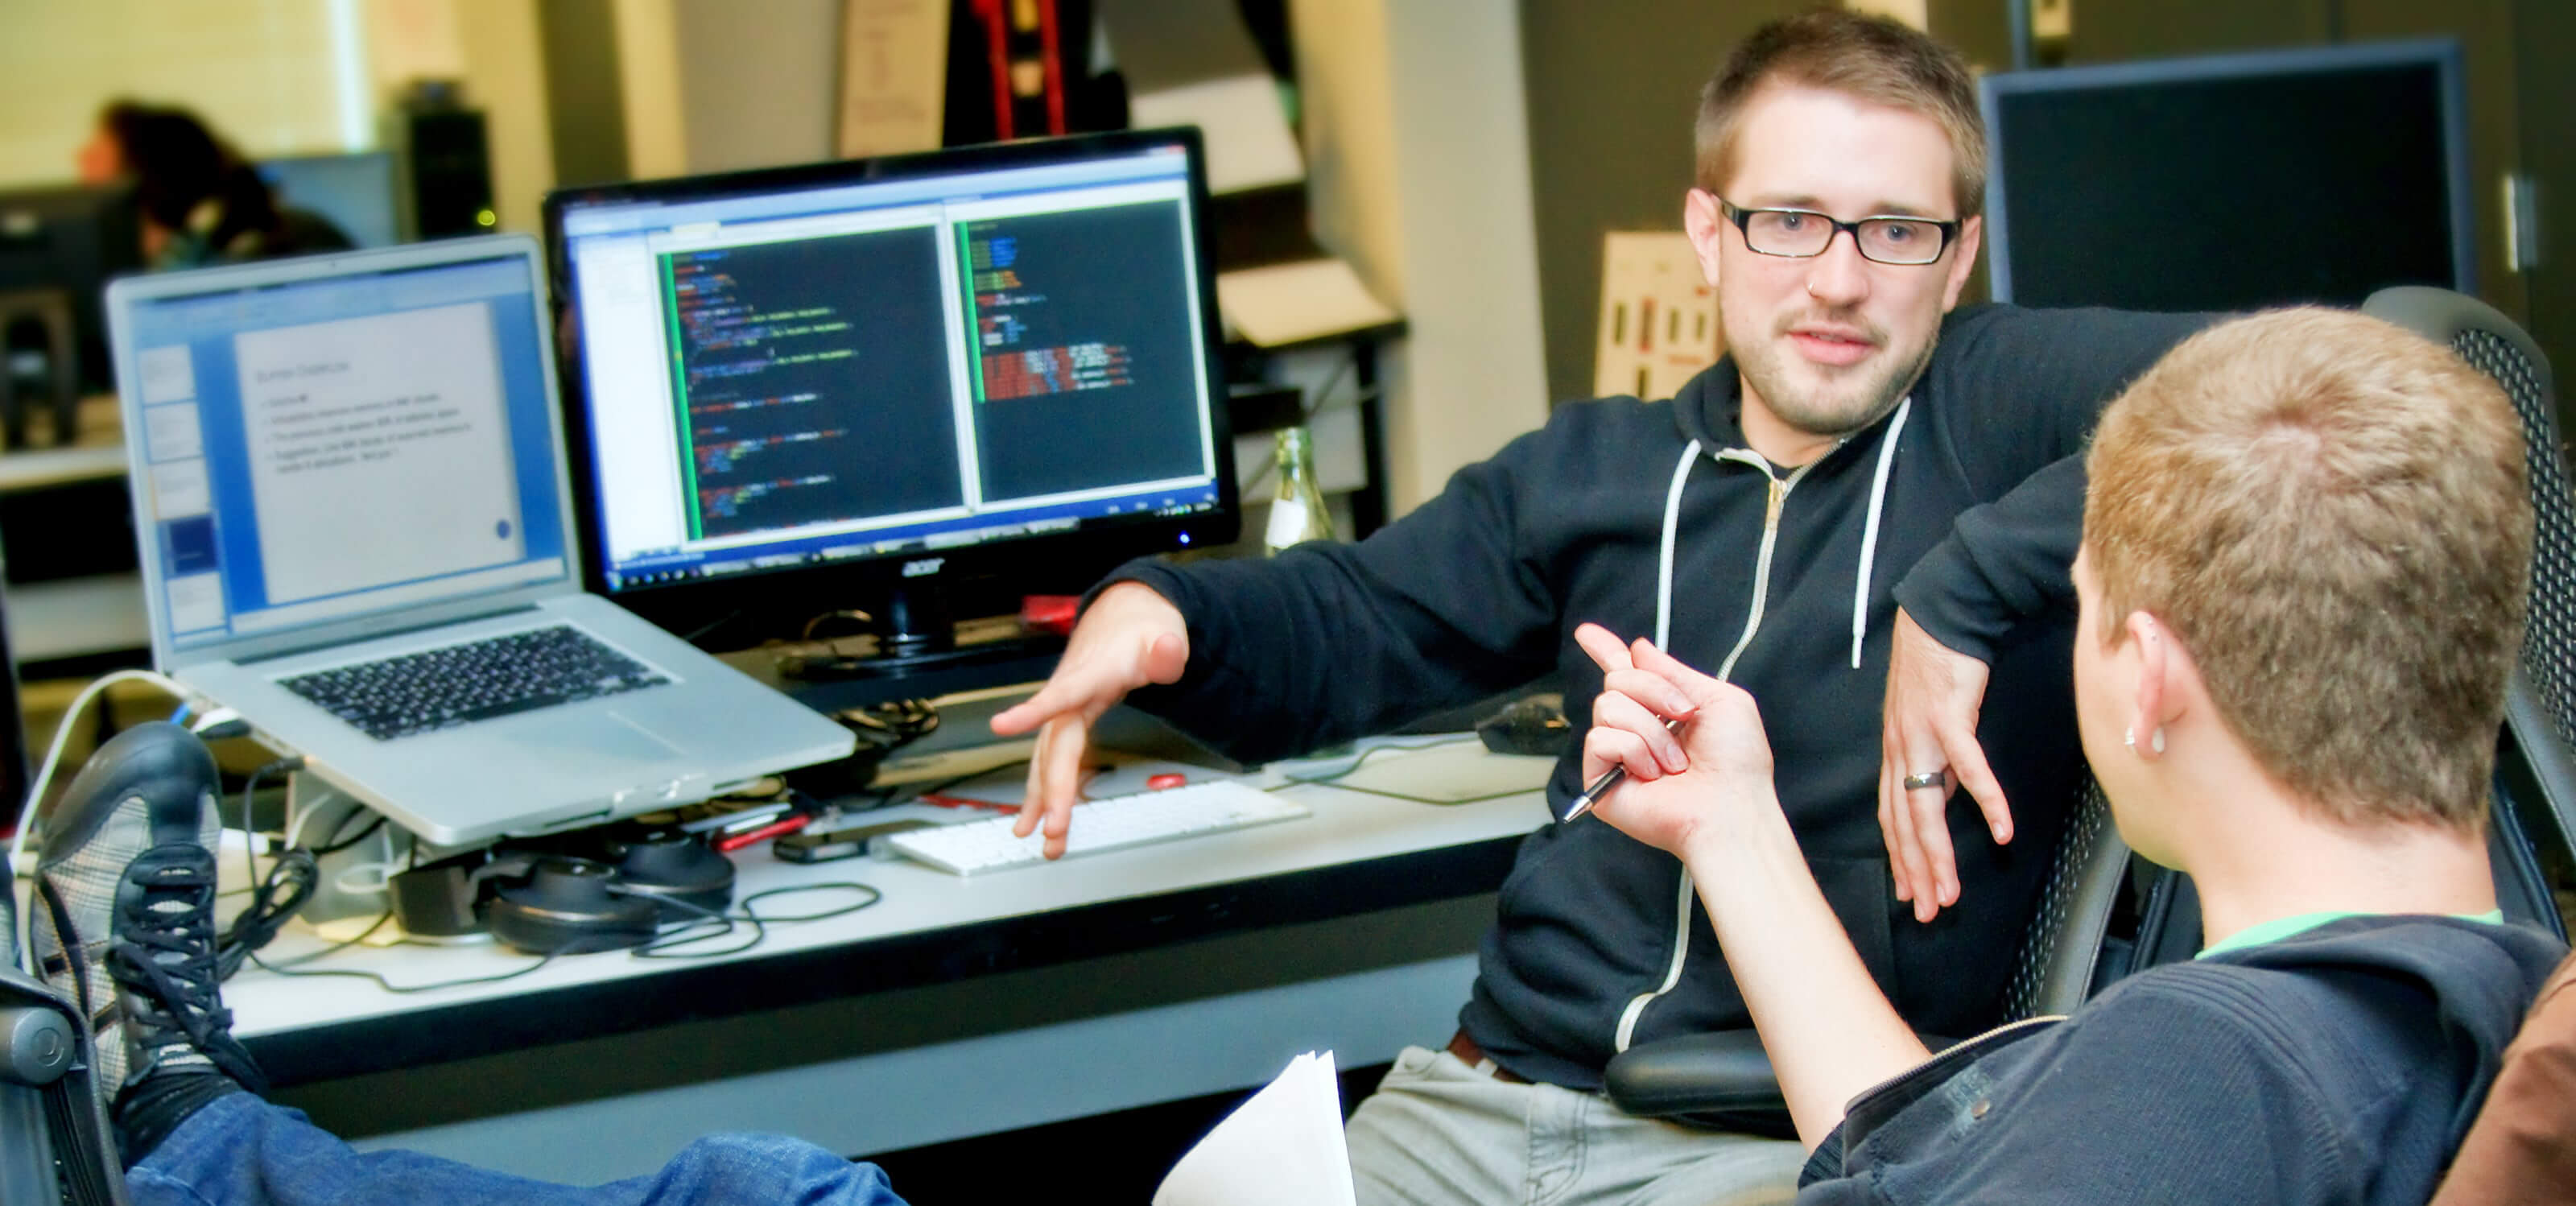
(2493, 345)
(2064, 952)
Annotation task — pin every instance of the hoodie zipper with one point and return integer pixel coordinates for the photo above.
(1777, 500)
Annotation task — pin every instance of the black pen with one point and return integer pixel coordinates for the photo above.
(1609, 779)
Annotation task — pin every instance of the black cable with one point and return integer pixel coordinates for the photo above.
(680, 936)
(294, 967)
(720, 621)
(1365, 755)
(275, 897)
(362, 835)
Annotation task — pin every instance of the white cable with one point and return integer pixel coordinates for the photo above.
(45, 777)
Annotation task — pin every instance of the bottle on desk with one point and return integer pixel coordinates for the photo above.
(1297, 511)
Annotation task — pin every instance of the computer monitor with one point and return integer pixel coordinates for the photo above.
(72, 238)
(853, 385)
(356, 192)
(2231, 182)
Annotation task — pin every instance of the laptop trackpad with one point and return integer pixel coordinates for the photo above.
(606, 736)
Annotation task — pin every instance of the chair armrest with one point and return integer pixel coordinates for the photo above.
(1721, 1078)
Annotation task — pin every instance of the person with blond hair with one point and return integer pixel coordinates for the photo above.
(2301, 586)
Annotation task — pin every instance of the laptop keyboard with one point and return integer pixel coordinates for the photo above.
(460, 684)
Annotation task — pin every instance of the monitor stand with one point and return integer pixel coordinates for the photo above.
(918, 653)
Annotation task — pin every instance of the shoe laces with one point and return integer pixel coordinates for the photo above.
(163, 957)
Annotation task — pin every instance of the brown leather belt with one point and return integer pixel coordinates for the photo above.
(1474, 1056)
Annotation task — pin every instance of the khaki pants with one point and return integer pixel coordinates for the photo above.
(1438, 1132)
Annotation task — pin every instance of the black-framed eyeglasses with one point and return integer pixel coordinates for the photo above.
(1801, 233)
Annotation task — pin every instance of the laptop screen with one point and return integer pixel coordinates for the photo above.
(322, 449)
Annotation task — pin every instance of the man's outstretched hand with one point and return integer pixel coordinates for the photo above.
(1128, 638)
(1930, 724)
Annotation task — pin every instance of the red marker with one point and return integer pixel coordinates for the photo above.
(778, 828)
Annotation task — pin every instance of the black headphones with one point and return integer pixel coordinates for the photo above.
(552, 903)
(566, 906)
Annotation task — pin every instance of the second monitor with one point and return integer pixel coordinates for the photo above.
(845, 385)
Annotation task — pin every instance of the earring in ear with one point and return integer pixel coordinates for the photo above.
(2129, 738)
(2156, 740)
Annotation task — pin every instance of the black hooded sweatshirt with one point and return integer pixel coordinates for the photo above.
(2340, 1066)
(1656, 519)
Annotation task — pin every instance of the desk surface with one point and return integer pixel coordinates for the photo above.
(1358, 852)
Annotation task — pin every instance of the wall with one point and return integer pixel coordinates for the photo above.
(505, 76)
(758, 93)
(262, 72)
(703, 89)
(2545, 33)
(1418, 147)
(1611, 89)
(585, 99)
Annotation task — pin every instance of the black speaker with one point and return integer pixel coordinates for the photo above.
(451, 171)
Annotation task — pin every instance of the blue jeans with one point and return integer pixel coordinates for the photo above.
(241, 1151)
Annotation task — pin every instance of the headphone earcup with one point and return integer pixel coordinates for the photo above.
(565, 907)
(667, 864)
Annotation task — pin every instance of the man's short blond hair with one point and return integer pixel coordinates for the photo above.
(2331, 514)
(1874, 59)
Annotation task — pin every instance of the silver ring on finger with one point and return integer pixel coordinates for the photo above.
(1923, 779)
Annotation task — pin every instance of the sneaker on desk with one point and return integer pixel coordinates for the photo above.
(123, 918)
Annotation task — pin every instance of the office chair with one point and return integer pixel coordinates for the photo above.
(2535, 806)
(55, 1144)
(1724, 1079)
(2493, 345)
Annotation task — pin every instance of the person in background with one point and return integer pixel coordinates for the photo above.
(200, 202)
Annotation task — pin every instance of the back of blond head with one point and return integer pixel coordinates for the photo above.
(2331, 514)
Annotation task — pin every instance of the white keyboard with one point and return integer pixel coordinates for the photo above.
(1116, 823)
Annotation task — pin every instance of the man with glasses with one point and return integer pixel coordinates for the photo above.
(1864, 515)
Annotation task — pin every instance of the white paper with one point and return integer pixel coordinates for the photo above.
(894, 64)
(1281, 1148)
(1248, 142)
(1285, 303)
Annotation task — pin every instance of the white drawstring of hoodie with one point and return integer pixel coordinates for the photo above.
(1868, 535)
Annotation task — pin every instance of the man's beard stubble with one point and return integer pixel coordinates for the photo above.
(1865, 400)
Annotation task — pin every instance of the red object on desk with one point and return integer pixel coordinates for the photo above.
(1165, 780)
(779, 828)
(1050, 613)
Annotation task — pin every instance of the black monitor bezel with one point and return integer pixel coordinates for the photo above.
(1054, 560)
(2444, 55)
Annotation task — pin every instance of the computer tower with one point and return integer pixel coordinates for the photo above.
(451, 171)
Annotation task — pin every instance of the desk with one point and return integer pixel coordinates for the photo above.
(75, 600)
(955, 1007)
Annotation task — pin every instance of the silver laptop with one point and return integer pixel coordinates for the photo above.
(356, 530)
